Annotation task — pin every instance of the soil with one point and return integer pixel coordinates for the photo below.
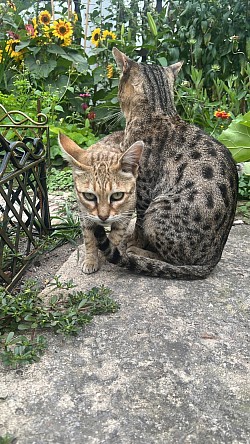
(45, 266)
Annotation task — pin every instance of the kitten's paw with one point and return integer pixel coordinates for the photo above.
(89, 267)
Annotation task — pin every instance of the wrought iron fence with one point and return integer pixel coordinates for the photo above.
(24, 208)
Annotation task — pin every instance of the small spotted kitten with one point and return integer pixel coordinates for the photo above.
(105, 187)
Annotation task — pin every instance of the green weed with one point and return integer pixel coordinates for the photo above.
(65, 313)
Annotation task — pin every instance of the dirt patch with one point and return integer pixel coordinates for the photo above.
(45, 266)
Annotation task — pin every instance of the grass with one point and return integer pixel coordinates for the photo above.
(7, 439)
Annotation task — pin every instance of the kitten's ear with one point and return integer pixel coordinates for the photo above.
(123, 62)
(175, 68)
(71, 151)
(131, 158)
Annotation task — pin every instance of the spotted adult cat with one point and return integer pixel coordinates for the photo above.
(105, 186)
(186, 186)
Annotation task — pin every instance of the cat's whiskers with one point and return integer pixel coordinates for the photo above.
(114, 119)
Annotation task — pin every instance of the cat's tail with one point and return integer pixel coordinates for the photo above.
(149, 266)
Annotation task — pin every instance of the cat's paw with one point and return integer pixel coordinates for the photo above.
(141, 252)
(132, 249)
(89, 267)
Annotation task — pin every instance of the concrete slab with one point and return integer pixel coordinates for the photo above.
(171, 366)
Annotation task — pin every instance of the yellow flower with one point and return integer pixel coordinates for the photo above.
(1, 55)
(35, 26)
(47, 31)
(108, 35)
(62, 29)
(44, 18)
(96, 36)
(10, 49)
(67, 42)
(11, 5)
(110, 71)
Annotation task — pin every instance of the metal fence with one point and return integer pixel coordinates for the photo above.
(24, 209)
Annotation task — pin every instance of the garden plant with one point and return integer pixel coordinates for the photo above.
(66, 312)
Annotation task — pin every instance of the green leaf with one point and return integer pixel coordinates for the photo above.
(98, 74)
(247, 168)
(9, 337)
(82, 303)
(55, 49)
(163, 61)
(79, 62)
(237, 138)
(40, 70)
(22, 45)
(245, 120)
(152, 24)
(23, 326)
(59, 108)
(55, 151)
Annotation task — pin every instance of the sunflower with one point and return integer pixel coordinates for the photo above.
(96, 36)
(11, 5)
(10, 49)
(44, 18)
(35, 26)
(66, 42)
(110, 71)
(62, 29)
(108, 35)
(47, 31)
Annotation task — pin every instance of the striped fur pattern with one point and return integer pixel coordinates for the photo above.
(186, 186)
(105, 187)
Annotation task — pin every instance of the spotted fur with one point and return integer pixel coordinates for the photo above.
(105, 187)
(186, 186)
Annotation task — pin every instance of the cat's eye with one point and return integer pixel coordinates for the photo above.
(89, 196)
(117, 196)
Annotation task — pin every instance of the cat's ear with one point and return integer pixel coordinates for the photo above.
(123, 62)
(175, 68)
(72, 152)
(131, 158)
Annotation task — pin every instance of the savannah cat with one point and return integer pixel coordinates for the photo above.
(104, 181)
(186, 186)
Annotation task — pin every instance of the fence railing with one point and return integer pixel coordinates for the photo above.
(24, 208)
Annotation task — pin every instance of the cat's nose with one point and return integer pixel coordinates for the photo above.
(103, 218)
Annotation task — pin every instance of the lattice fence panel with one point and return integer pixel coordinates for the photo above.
(24, 209)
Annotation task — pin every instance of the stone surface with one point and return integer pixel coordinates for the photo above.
(171, 366)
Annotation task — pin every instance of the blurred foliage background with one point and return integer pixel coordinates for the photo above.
(60, 54)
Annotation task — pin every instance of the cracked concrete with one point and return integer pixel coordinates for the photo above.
(171, 366)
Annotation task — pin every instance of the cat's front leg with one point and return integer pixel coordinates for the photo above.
(90, 263)
(117, 233)
(136, 239)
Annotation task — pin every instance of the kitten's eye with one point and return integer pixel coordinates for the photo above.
(89, 196)
(117, 196)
